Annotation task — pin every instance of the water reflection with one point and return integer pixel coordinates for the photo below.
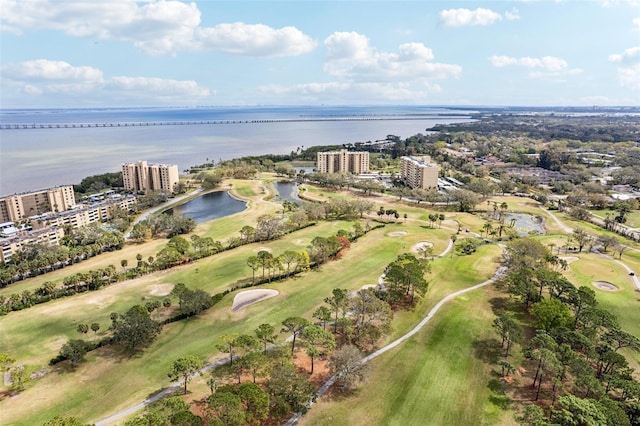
(287, 190)
(212, 205)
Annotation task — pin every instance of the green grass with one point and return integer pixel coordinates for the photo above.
(36, 334)
(439, 377)
(633, 217)
(440, 367)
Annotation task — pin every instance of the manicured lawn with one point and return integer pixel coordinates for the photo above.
(633, 217)
(439, 377)
(35, 335)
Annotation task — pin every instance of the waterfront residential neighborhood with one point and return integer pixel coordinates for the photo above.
(349, 213)
(396, 231)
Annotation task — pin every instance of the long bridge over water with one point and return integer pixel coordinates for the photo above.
(26, 126)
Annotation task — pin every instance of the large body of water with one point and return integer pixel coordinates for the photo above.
(49, 147)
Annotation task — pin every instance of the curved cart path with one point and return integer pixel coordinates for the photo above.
(499, 273)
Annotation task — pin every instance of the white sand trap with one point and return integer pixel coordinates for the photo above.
(569, 259)
(418, 247)
(248, 297)
(262, 249)
(160, 289)
(397, 233)
(605, 285)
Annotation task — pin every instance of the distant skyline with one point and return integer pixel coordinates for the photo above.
(66, 54)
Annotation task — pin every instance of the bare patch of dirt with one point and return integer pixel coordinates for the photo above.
(160, 289)
(397, 233)
(569, 259)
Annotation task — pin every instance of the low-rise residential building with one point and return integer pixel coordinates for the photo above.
(419, 172)
(14, 208)
(343, 161)
(143, 177)
(48, 228)
(49, 236)
(84, 214)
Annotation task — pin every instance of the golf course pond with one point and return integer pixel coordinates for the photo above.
(525, 224)
(287, 190)
(209, 206)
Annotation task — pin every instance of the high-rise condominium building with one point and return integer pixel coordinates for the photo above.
(20, 206)
(343, 161)
(419, 172)
(143, 177)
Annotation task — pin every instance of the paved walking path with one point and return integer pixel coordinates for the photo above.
(499, 273)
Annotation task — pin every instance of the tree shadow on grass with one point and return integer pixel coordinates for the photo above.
(498, 396)
(487, 350)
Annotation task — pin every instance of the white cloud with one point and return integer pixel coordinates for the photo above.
(155, 27)
(636, 24)
(342, 45)
(629, 67)
(42, 77)
(629, 55)
(629, 77)
(466, 17)
(255, 40)
(349, 56)
(548, 67)
(512, 15)
(616, 3)
(43, 69)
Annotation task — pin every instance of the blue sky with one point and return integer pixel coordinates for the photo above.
(170, 53)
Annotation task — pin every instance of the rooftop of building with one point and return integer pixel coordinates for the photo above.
(17, 194)
(422, 161)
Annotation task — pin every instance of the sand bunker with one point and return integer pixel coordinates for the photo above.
(605, 285)
(397, 233)
(569, 259)
(421, 246)
(248, 297)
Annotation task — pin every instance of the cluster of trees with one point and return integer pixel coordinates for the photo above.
(578, 370)
(337, 209)
(98, 183)
(78, 245)
(136, 328)
(404, 280)
(162, 225)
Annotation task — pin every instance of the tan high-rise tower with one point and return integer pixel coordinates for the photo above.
(143, 177)
(343, 161)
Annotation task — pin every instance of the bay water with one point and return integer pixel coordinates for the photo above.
(41, 148)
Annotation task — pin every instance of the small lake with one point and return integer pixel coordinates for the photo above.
(525, 224)
(212, 205)
(287, 190)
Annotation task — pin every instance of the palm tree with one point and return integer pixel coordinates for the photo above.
(487, 228)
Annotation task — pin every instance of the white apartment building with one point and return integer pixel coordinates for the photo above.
(343, 161)
(143, 177)
(419, 172)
